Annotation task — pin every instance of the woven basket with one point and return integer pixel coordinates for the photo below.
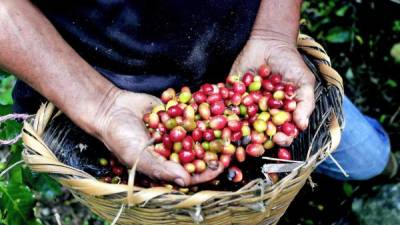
(258, 202)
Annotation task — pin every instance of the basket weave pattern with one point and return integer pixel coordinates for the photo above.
(258, 202)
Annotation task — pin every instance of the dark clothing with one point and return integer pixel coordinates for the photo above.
(147, 46)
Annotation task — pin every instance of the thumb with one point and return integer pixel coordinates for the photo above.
(305, 105)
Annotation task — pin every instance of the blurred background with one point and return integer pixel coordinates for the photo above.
(363, 41)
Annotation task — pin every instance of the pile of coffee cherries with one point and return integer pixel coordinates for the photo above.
(225, 122)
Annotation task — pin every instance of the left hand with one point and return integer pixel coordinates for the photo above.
(281, 54)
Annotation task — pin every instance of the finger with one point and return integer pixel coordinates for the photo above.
(157, 167)
(282, 139)
(305, 105)
(207, 175)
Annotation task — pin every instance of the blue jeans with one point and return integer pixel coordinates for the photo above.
(364, 148)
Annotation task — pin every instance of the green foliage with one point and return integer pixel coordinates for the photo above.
(16, 204)
(395, 52)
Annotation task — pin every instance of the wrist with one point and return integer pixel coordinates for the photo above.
(268, 34)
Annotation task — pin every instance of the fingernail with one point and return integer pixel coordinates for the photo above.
(213, 165)
(180, 182)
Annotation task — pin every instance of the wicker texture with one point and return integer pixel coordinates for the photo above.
(259, 202)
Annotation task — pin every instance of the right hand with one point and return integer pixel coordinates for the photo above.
(121, 128)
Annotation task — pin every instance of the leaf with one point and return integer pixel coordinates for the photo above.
(396, 26)
(340, 12)
(6, 86)
(348, 189)
(47, 186)
(338, 35)
(16, 203)
(391, 83)
(395, 52)
(349, 74)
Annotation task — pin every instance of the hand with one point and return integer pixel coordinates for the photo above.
(281, 54)
(122, 130)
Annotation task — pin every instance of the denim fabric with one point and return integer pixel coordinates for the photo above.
(364, 148)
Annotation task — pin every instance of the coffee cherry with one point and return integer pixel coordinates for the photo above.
(160, 149)
(199, 97)
(158, 108)
(177, 146)
(177, 134)
(190, 167)
(208, 135)
(279, 95)
(290, 89)
(240, 154)
(171, 103)
(255, 86)
(289, 105)
(187, 143)
(279, 87)
(239, 87)
(267, 85)
(175, 111)
(224, 92)
(257, 137)
(271, 129)
(226, 133)
(235, 174)
(283, 153)
(117, 170)
(198, 151)
(205, 145)
(289, 129)
(247, 78)
(200, 165)
(280, 118)
(167, 95)
(218, 122)
(236, 136)
(234, 125)
(260, 125)
(236, 99)
(179, 120)
(188, 112)
(263, 104)
(232, 78)
(107, 179)
(170, 124)
(256, 95)
(103, 162)
(216, 145)
(166, 140)
(218, 108)
(189, 125)
(174, 157)
(213, 98)
(252, 110)
(186, 156)
(264, 71)
(197, 134)
(202, 125)
(217, 133)
(146, 117)
(210, 156)
(245, 130)
(268, 144)
(185, 97)
(275, 79)
(255, 150)
(204, 111)
(154, 120)
(273, 103)
(264, 116)
(228, 149)
(225, 160)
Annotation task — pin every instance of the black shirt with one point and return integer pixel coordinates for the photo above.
(147, 46)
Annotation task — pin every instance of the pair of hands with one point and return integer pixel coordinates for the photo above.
(122, 130)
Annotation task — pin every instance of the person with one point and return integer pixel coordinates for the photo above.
(102, 62)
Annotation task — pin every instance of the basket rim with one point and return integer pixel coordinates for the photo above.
(36, 151)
